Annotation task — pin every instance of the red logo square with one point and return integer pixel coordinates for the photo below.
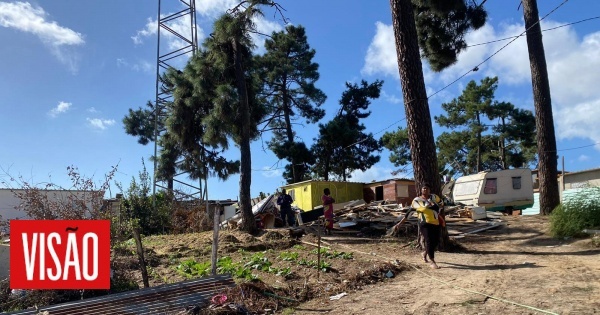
(59, 254)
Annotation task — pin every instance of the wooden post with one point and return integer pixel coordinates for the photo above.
(215, 244)
(319, 249)
(140, 252)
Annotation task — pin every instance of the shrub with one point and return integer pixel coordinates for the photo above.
(581, 211)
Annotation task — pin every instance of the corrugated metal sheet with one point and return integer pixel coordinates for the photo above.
(156, 300)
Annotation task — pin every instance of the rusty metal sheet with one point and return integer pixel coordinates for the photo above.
(155, 300)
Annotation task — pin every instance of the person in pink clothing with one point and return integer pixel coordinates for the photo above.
(328, 202)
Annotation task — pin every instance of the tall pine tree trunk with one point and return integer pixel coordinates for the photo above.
(248, 221)
(418, 118)
(478, 166)
(416, 106)
(544, 121)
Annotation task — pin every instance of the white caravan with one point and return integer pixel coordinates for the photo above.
(504, 190)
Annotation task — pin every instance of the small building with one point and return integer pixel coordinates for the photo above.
(13, 201)
(571, 183)
(307, 194)
(398, 190)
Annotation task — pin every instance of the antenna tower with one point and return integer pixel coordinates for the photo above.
(174, 46)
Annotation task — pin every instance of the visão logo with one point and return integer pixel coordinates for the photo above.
(60, 254)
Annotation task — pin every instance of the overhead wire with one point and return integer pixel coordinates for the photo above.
(514, 38)
(488, 58)
(544, 30)
(497, 51)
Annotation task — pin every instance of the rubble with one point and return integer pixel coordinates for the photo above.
(381, 217)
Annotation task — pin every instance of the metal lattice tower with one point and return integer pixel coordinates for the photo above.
(182, 42)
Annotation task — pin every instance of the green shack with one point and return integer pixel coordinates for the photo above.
(307, 194)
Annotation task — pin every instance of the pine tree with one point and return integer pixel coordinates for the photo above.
(289, 77)
(546, 140)
(237, 109)
(418, 117)
(469, 109)
(487, 134)
(342, 146)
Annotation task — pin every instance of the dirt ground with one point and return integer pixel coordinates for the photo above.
(516, 269)
(513, 269)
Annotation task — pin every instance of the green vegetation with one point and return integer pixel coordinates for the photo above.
(287, 256)
(582, 211)
(190, 268)
(334, 254)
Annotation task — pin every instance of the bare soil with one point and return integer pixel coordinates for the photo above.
(513, 269)
(516, 269)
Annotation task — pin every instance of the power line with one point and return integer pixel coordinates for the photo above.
(545, 30)
(501, 48)
(378, 132)
(581, 147)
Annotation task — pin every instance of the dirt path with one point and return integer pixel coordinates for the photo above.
(516, 269)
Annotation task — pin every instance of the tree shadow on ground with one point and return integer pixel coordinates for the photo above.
(488, 267)
(496, 252)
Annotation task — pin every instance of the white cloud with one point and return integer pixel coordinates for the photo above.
(24, 17)
(578, 120)
(140, 66)
(99, 123)
(381, 54)
(265, 27)
(209, 10)
(375, 173)
(147, 31)
(583, 157)
(62, 107)
(391, 98)
(269, 173)
(572, 69)
(214, 8)
(92, 110)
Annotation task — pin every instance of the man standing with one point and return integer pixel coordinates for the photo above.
(285, 208)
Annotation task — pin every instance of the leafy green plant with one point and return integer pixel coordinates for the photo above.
(284, 272)
(323, 251)
(258, 261)
(335, 254)
(190, 268)
(324, 266)
(226, 265)
(288, 256)
(299, 247)
(579, 212)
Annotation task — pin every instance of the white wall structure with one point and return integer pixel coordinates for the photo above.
(11, 205)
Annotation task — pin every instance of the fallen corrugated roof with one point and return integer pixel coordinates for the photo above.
(156, 300)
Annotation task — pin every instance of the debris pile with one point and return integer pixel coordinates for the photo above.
(374, 218)
(381, 217)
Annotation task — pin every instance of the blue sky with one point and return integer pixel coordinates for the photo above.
(72, 69)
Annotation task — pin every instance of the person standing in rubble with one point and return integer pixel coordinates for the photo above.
(285, 208)
(428, 207)
(328, 202)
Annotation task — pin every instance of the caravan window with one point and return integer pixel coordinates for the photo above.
(466, 188)
(491, 186)
(292, 194)
(516, 182)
